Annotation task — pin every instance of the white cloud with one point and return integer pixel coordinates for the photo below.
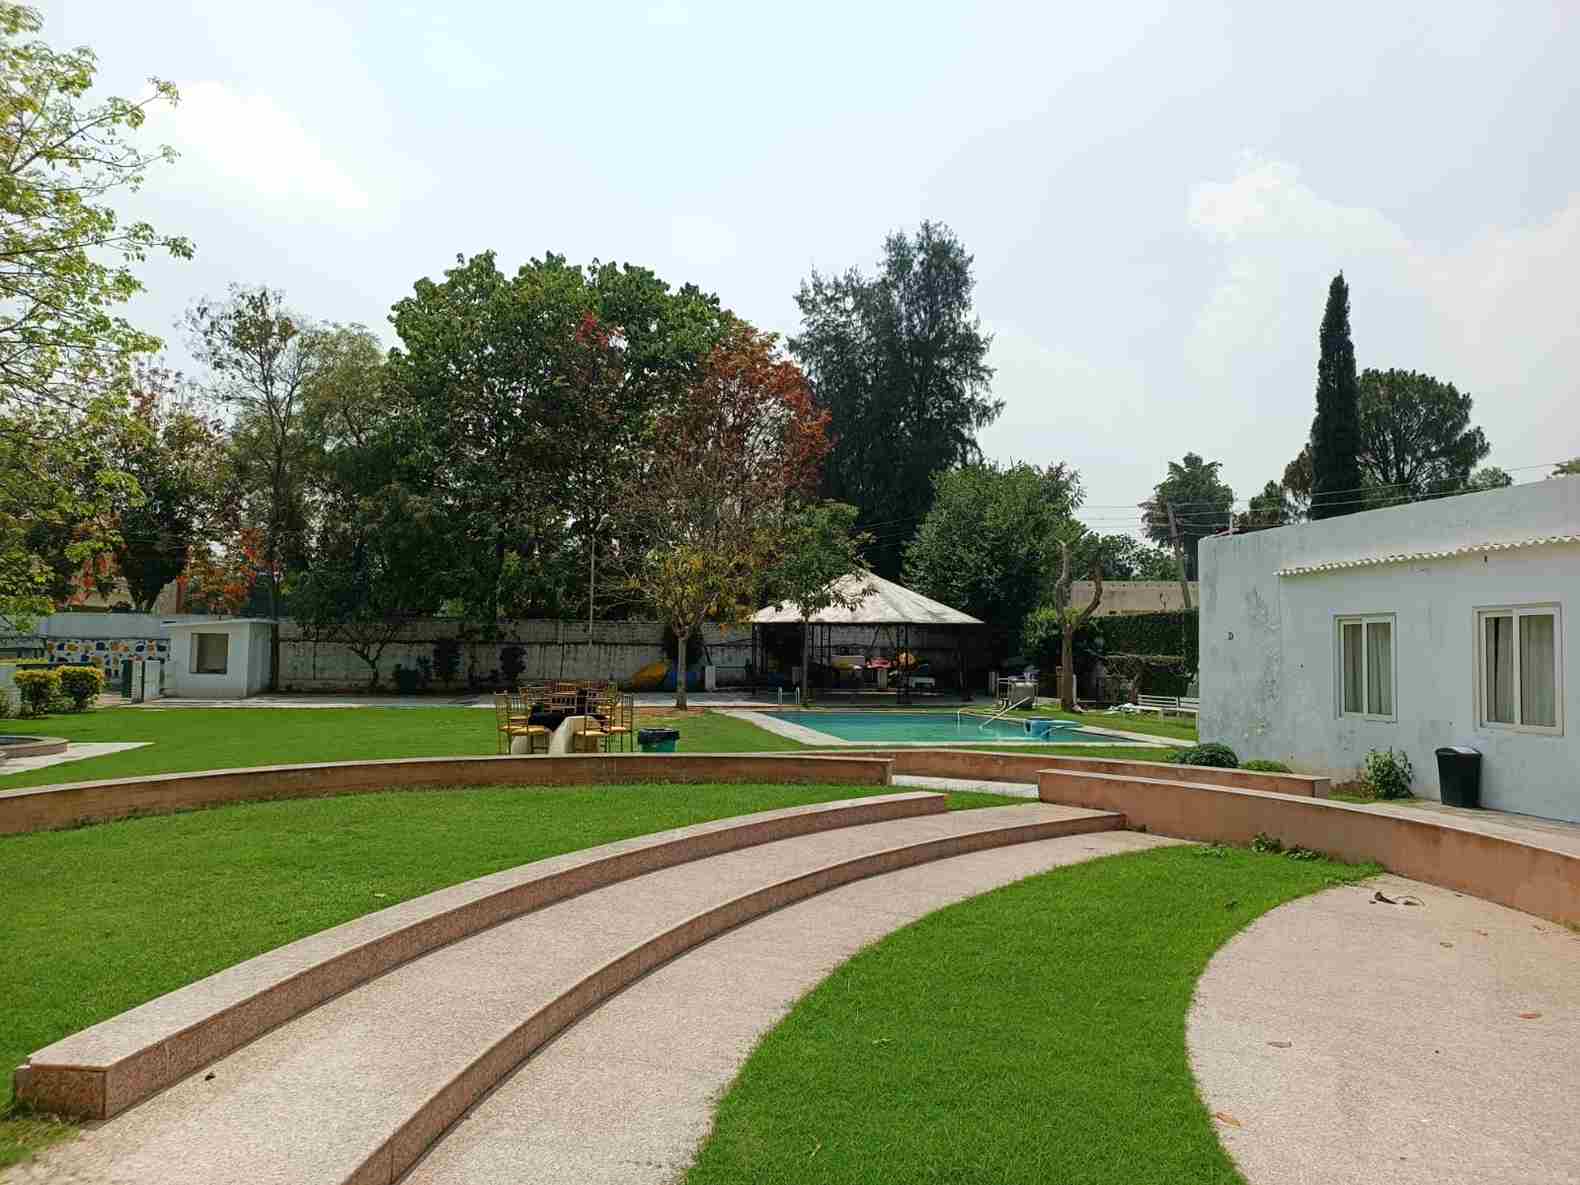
(248, 147)
(458, 64)
(1493, 314)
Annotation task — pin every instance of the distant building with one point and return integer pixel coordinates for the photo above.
(1433, 624)
(1124, 597)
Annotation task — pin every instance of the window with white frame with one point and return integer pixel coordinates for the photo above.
(1366, 666)
(1519, 675)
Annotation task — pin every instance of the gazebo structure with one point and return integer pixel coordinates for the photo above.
(892, 647)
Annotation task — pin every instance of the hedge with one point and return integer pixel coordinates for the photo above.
(1152, 633)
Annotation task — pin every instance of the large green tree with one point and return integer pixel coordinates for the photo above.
(533, 400)
(1201, 504)
(261, 356)
(989, 545)
(1336, 431)
(1570, 468)
(66, 259)
(900, 362)
(177, 456)
(1416, 436)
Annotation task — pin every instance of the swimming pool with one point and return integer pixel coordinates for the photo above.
(887, 727)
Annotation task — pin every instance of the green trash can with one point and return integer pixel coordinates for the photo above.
(657, 740)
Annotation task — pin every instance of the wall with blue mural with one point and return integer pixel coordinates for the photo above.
(108, 654)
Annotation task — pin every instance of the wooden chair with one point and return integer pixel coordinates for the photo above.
(588, 739)
(521, 717)
(511, 722)
(618, 712)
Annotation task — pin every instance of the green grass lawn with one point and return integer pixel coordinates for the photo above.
(1033, 1034)
(100, 919)
(225, 738)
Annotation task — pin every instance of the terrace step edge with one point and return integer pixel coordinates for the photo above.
(433, 1118)
(104, 1069)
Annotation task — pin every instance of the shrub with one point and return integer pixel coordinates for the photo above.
(5, 702)
(81, 686)
(512, 661)
(1388, 774)
(1211, 753)
(1261, 765)
(36, 688)
(447, 659)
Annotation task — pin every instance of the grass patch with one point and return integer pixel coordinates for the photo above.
(1179, 728)
(100, 919)
(1033, 1034)
(185, 739)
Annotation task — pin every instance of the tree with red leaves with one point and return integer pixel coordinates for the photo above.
(731, 454)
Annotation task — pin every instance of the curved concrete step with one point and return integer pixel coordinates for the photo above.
(660, 1055)
(357, 1089)
(102, 1070)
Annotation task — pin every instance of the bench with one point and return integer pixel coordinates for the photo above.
(1187, 705)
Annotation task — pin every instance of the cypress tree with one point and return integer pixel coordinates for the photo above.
(1336, 432)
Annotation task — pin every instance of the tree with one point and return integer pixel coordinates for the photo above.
(1488, 477)
(65, 258)
(1271, 508)
(372, 574)
(1568, 468)
(1336, 431)
(817, 546)
(57, 496)
(1124, 557)
(988, 545)
(1296, 484)
(700, 531)
(900, 363)
(177, 458)
(1070, 617)
(1416, 438)
(261, 357)
(1201, 504)
(532, 403)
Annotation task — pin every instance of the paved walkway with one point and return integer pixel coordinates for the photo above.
(657, 1057)
(1344, 1041)
(977, 785)
(75, 751)
(327, 1096)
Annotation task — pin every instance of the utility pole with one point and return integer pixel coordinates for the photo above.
(1179, 555)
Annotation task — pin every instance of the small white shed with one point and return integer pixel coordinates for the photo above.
(226, 658)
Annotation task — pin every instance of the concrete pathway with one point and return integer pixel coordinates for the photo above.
(324, 1097)
(1341, 1040)
(75, 751)
(655, 1058)
(1009, 789)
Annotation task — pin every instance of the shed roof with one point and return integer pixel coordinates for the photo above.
(886, 603)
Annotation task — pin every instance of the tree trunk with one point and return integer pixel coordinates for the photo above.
(806, 662)
(1067, 669)
(680, 669)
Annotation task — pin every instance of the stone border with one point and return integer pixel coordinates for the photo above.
(407, 1145)
(71, 804)
(1026, 768)
(38, 747)
(1451, 853)
(102, 1070)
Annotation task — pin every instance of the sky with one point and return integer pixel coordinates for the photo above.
(1156, 195)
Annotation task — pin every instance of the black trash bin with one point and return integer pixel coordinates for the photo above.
(1459, 776)
(657, 740)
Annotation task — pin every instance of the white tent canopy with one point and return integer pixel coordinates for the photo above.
(886, 603)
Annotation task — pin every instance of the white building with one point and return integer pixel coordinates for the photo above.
(219, 658)
(1438, 623)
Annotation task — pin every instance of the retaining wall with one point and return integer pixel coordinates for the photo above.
(1440, 850)
(44, 808)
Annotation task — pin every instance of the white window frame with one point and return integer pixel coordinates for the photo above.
(1479, 647)
(1363, 620)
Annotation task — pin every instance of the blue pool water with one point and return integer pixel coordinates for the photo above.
(939, 727)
